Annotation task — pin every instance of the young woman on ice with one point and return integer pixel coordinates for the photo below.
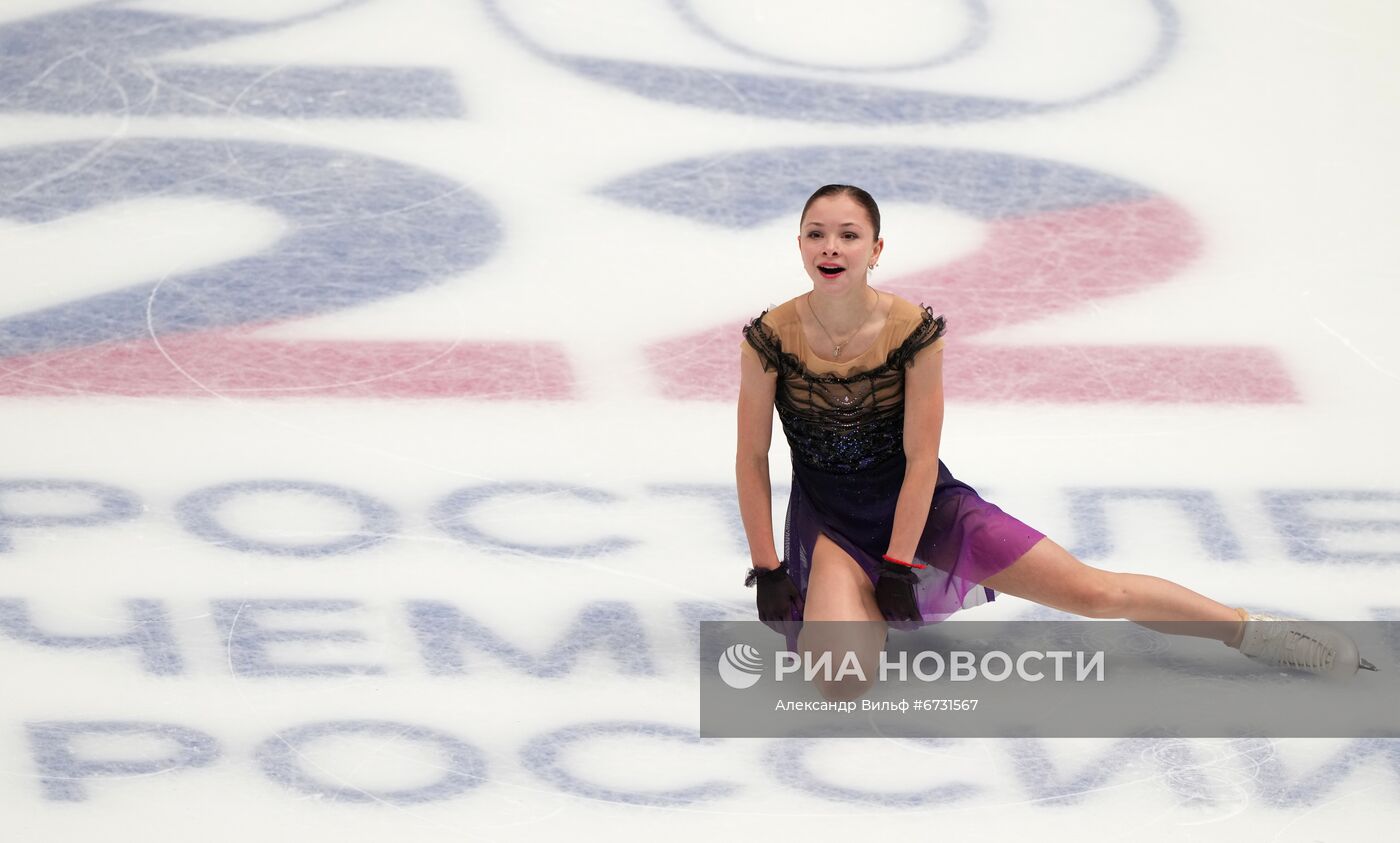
(877, 528)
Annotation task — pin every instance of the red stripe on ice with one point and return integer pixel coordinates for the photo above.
(1029, 268)
(198, 365)
(1032, 267)
(1192, 374)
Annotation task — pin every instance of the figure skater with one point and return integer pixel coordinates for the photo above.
(877, 528)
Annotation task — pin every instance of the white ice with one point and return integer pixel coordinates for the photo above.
(1272, 127)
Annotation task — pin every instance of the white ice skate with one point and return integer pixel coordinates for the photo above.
(1301, 645)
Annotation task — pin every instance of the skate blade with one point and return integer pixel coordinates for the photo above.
(1365, 665)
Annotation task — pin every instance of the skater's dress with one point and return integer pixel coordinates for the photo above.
(844, 423)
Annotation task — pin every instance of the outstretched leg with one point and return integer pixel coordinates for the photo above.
(1048, 574)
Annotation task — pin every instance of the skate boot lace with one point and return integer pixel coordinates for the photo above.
(1304, 652)
(1310, 647)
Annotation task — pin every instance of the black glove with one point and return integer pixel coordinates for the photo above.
(894, 592)
(777, 593)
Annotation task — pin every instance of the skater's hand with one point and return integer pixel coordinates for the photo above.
(894, 593)
(777, 593)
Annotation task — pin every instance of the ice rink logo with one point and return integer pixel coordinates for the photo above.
(946, 63)
(740, 666)
(235, 313)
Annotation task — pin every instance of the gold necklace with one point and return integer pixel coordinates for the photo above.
(836, 347)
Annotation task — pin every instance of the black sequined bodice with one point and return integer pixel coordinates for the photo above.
(841, 423)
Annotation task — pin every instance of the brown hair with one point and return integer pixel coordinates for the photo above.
(865, 200)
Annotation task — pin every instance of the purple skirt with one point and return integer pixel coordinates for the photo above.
(965, 540)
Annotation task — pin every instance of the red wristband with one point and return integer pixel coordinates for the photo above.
(889, 558)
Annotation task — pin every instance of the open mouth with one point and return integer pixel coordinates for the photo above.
(831, 270)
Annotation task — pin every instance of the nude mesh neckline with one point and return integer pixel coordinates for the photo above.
(876, 343)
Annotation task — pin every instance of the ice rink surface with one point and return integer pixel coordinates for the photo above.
(368, 385)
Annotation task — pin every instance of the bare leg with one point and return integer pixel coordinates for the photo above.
(837, 588)
(840, 616)
(1048, 574)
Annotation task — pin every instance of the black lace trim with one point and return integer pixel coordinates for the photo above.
(842, 423)
(770, 350)
(765, 574)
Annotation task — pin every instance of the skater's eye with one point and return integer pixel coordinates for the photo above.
(850, 235)
(814, 233)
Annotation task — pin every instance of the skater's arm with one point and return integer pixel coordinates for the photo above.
(757, 389)
(923, 430)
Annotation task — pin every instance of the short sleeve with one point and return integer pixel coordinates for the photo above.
(761, 339)
(928, 333)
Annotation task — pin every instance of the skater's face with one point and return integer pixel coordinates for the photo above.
(838, 243)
